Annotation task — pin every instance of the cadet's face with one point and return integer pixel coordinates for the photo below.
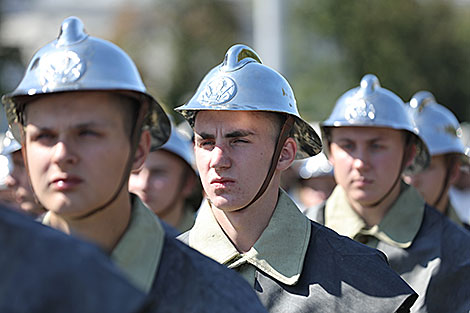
(19, 183)
(159, 181)
(77, 150)
(366, 160)
(233, 152)
(430, 181)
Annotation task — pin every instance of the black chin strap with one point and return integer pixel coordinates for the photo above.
(395, 182)
(444, 185)
(135, 136)
(281, 139)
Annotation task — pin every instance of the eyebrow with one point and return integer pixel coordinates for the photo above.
(368, 140)
(233, 134)
(77, 126)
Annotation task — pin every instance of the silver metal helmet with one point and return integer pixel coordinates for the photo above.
(437, 125)
(9, 144)
(243, 83)
(370, 105)
(179, 145)
(7, 147)
(315, 166)
(76, 61)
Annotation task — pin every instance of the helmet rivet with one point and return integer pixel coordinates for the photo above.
(71, 31)
(369, 84)
(238, 56)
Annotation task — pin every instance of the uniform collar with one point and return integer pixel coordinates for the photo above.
(279, 252)
(187, 220)
(139, 250)
(398, 227)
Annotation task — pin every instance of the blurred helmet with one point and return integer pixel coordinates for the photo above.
(7, 147)
(243, 83)
(76, 61)
(9, 144)
(315, 166)
(437, 125)
(179, 145)
(370, 105)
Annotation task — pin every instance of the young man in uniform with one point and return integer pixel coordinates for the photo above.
(371, 141)
(85, 120)
(247, 131)
(168, 183)
(17, 180)
(441, 132)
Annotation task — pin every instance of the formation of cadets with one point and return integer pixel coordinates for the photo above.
(250, 209)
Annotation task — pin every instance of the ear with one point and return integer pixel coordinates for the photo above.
(287, 156)
(189, 184)
(142, 150)
(454, 174)
(410, 154)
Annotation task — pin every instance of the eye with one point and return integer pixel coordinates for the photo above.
(240, 140)
(88, 133)
(205, 143)
(348, 146)
(42, 136)
(377, 146)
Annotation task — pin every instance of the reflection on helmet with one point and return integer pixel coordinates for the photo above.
(243, 83)
(9, 144)
(437, 125)
(371, 105)
(76, 61)
(315, 166)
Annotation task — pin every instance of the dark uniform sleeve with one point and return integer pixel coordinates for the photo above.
(189, 282)
(43, 270)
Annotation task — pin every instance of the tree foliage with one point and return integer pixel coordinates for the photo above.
(410, 45)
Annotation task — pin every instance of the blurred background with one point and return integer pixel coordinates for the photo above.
(322, 47)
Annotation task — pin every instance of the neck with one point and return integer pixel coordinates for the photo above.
(443, 203)
(244, 227)
(373, 215)
(103, 228)
(173, 214)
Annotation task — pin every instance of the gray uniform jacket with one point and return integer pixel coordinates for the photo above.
(43, 270)
(436, 265)
(339, 275)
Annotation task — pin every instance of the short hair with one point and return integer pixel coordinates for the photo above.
(278, 120)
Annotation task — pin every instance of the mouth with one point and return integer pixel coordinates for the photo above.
(65, 183)
(362, 181)
(222, 182)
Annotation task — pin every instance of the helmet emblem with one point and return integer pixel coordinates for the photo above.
(218, 91)
(61, 67)
(360, 110)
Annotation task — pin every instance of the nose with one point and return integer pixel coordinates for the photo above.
(219, 158)
(361, 159)
(63, 154)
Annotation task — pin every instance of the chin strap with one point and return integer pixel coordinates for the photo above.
(445, 184)
(135, 136)
(395, 182)
(281, 139)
